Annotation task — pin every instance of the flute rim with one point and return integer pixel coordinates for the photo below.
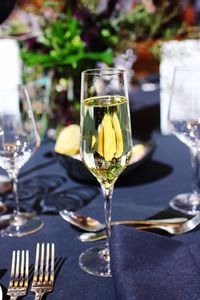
(104, 71)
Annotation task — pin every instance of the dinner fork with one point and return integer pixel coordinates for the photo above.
(43, 278)
(18, 283)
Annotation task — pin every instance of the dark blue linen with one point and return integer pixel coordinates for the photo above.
(45, 187)
(142, 193)
(150, 266)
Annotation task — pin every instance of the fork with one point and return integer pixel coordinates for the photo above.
(43, 278)
(18, 283)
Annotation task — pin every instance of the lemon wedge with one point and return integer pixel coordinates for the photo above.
(68, 141)
(138, 152)
(138, 149)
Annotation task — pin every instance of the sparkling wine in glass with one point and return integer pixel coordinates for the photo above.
(184, 121)
(18, 141)
(106, 144)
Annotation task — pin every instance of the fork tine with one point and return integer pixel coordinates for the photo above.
(36, 263)
(21, 278)
(11, 282)
(52, 263)
(46, 276)
(26, 269)
(41, 272)
(16, 279)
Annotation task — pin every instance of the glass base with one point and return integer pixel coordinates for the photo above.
(19, 226)
(96, 261)
(186, 203)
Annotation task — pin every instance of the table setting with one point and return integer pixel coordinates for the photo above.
(148, 249)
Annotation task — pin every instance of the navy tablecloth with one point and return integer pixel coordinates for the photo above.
(144, 192)
(45, 185)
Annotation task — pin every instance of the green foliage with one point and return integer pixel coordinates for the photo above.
(142, 24)
(61, 45)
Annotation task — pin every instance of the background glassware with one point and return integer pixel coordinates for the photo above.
(18, 141)
(106, 145)
(184, 121)
(39, 92)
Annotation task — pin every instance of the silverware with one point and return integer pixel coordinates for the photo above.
(92, 225)
(43, 279)
(101, 235)
(18, 283)
(173, 229)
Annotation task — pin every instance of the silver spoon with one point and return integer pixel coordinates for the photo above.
(92, 225)
(173, 229)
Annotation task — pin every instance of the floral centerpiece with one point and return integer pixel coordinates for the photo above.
(72, 39)
(78, 35)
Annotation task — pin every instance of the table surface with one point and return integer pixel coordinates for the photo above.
(143, 192)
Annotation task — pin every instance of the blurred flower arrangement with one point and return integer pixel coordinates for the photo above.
(76, 35)
(72, 39)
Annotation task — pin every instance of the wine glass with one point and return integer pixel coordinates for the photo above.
(106, 144)
(39, 91)
(184, 121)
(18, 141)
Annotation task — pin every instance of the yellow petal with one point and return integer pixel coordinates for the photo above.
(100, 140)
(109, 138)
(119, 137)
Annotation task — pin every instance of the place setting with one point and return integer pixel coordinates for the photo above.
(99, 105)
(106, 149)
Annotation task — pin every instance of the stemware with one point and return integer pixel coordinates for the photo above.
(106, 144)
(18, 141)
(39, 91)
(184, 121)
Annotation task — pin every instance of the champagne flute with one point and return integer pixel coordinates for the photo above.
(18, 141)
(184, 121)
(106, 144)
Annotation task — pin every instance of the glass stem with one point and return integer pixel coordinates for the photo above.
(195, 169)
(107, 211)
(15, 194)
